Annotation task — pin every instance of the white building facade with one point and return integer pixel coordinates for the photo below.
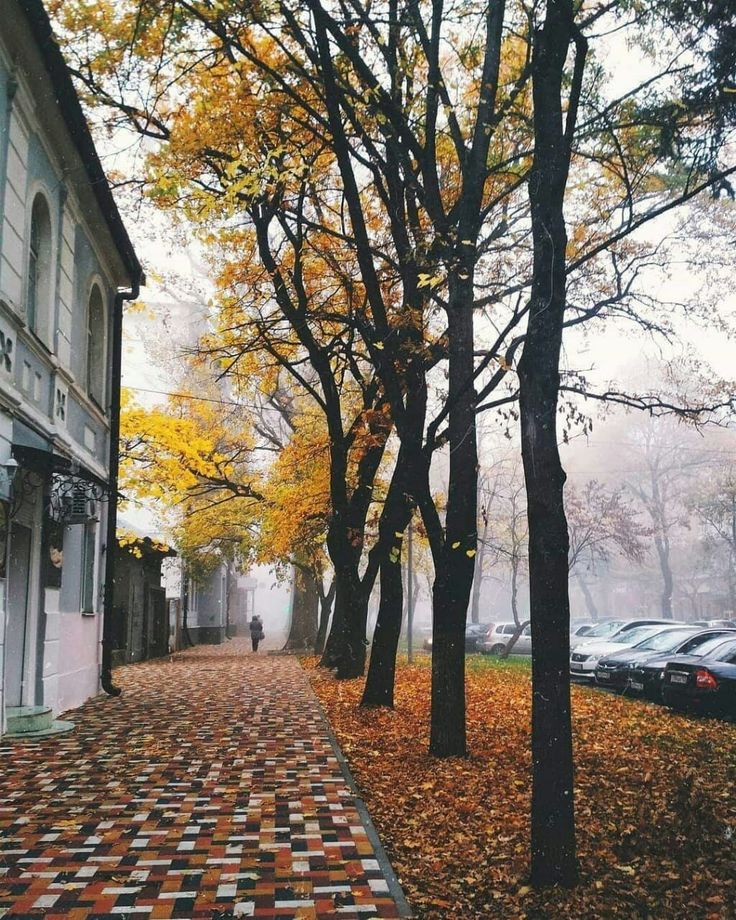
(66, 265)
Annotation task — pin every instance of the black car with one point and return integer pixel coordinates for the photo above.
(707, 683)
(613, 670)
(645, 677)
(474, 633)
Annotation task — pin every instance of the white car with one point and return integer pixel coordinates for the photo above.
(585, 657)
(609, 629)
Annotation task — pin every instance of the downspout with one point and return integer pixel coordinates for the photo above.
(111, 545)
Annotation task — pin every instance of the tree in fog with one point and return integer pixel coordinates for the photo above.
(714, 506)
(602, 522)
(667, 456)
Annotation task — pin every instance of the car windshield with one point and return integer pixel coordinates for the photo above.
(664, 641)
(604, 629)
(707, 647)
(725, 651)
(632, 636)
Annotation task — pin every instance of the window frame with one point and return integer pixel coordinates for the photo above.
(38, 299)
(97, 394)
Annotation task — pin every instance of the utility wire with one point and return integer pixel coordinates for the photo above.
(221, 402)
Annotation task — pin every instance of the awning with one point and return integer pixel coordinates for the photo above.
(34, 452)
(25, 436)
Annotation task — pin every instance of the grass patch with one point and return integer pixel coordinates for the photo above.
(475, 662)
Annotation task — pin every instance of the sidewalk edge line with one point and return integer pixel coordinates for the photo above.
(394, 885)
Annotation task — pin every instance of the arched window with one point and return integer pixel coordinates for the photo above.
(39, 263)
(96, 342)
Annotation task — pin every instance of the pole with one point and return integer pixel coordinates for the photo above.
(410, 596)
(111, 540)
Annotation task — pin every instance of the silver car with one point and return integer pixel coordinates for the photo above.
(499, 637)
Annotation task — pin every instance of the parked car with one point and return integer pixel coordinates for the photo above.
(474, 633)
(610, 628)
(500, 636)
(729, 623)
(597, 631)
(707, 683)
(579, 629)
(584, 658)
(645, 677)
(613, 670)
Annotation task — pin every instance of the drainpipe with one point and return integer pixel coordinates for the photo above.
(111, 545)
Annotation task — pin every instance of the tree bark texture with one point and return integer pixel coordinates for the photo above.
(553, 856)
(454, 575)
(397, 511)
(379, 685)
(325, 609)
(334, 643)
(346, 645)
(303, 630)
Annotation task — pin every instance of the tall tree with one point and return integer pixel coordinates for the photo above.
(553, 854)
(557, 98)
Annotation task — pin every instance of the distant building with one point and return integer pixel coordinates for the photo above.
(221, 607)
(66, 265)
(143, 624)
(208, 606)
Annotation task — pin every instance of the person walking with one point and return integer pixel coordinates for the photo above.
(256, 631)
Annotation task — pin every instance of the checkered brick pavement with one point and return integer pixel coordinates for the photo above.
(210, 789)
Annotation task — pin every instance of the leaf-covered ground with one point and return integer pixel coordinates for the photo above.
(655, 801)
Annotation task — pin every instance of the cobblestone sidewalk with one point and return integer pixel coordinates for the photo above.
(210, 789)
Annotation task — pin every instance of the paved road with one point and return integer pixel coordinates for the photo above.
(210, 789)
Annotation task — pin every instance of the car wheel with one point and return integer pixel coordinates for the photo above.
(497, 649)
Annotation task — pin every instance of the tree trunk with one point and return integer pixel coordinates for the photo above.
(553, 859)
(515, 588)
(379, 685)
(663, 552)
(334, 647)
(325, 609)
(447, 730)
(478, 575)
(508, 648)
(303, 630)
(454, 574)
(396, 515)
(589, 599)
(351, 600)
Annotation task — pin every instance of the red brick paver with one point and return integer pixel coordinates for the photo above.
(210, 789)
